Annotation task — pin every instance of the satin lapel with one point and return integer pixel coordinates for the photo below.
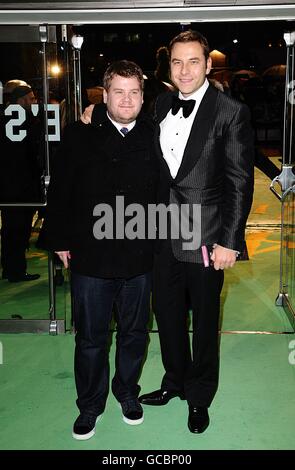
(199, 133)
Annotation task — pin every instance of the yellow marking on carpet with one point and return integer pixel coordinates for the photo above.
(261, 209)
(255, 240)
(291, 245)
(36, 254)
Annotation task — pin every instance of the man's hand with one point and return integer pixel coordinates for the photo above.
(64, 256)
(86, 116)
(223, 257)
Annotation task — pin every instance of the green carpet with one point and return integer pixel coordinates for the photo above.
(251, 287)
(266, 208)
(30, 300)
(253, 409)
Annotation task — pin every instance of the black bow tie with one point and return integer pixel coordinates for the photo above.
(186, 105)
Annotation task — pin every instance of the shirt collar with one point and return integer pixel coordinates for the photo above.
(118, 126)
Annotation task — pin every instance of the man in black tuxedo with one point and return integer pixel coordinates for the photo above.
(113, 157)
(204, 142)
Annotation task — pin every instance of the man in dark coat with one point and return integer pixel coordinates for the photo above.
(98, 169)
(204, 142)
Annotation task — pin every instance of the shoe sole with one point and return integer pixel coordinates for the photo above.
(133, 422)
(197, 431)
(85, 437)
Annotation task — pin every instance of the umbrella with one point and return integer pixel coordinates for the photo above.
(275, 71)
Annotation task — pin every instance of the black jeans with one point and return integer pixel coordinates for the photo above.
(93, 302)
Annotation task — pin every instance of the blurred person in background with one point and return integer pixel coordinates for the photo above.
(19, 182)
(159, 82)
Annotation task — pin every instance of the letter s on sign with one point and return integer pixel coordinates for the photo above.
(15, 122)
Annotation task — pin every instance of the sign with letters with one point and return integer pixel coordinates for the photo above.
(18, 116)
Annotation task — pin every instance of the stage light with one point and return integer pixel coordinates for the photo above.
(55, 69)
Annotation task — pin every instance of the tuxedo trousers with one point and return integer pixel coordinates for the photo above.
(191, 367)
(94, 300)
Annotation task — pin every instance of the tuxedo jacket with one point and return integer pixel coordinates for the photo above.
(216, 171)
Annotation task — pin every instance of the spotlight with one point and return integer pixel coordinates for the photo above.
(55, 69)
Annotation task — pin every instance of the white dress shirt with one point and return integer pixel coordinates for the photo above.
(175, 131)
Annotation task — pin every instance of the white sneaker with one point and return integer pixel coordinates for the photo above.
(84, 426)
(132, 412)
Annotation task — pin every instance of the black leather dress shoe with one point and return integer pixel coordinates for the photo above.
(159, 397)
(24, 277)
(198, 419)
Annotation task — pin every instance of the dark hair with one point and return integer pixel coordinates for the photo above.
(162, 70)
(19, 92)
(123, 68)
(191, 36)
